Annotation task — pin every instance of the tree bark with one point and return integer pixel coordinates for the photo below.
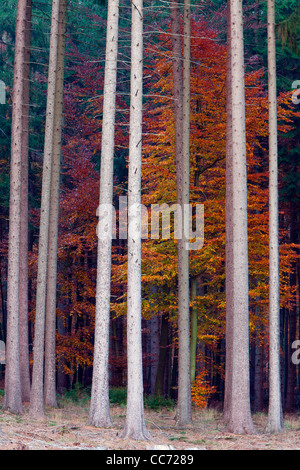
(50, 330)
(160, 374)
(228, 228)
(258, 377)
(37, 389)
(13, 397)
(239, 414)
(23, 293)
(275, 418)
(291, 367)
(154, 346)
(181, 90)
(99, 408)
(194, 330)
(135, 427)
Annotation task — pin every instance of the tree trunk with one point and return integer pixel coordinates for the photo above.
(291, 367)
(181, 89)
(258, 377)
(13, 397)
(194, 330)
(228, 229)
(23, 293)
(37, 390)
(99, 408)
(240, 420)
(160, 374)
(154, 346)
(61, 376)
(275, 418)
(135, 425)
(50, 330)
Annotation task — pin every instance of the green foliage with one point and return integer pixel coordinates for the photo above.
(77, 394)
(80, 395)
(154, 402)
(118, 396)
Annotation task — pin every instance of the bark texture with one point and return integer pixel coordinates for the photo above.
(181, 90)
(275, 420)
(135, 427)
(50, 330)
(239, 414)
(23, 292)
(37, 389)
(13, 398)
(228, 227)
(99, 408)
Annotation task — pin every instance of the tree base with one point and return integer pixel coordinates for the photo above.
(241, 428)
(130, 432)
(100, 421)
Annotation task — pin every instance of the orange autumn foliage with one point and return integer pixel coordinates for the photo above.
(208, 151)
(201, 390)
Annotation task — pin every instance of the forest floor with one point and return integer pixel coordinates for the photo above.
(66, 428)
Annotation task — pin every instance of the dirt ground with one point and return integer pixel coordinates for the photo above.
(66, 428)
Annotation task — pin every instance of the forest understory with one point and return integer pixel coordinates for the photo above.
(66, 428)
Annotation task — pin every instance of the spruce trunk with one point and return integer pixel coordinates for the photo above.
(50, 330)
(275, 419)
(37, 389)
(99, 408)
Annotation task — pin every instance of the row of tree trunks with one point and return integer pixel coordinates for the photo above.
(43, 390)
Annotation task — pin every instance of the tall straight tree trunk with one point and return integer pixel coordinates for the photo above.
(154, 345)
(50, 329)
(291, 367)
(258, 377)
(181, 90)
(23, 292)
(135, 424)
(194, 330)
(13, 397)
(275, 420)
(228, 229)
(99, 408)
(37, 389)
(240, 420)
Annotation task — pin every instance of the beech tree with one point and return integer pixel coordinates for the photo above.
(13, 397)
(135, 424)
(275, 419)
(99, 408)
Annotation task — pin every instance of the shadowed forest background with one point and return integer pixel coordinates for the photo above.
(79, 194)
